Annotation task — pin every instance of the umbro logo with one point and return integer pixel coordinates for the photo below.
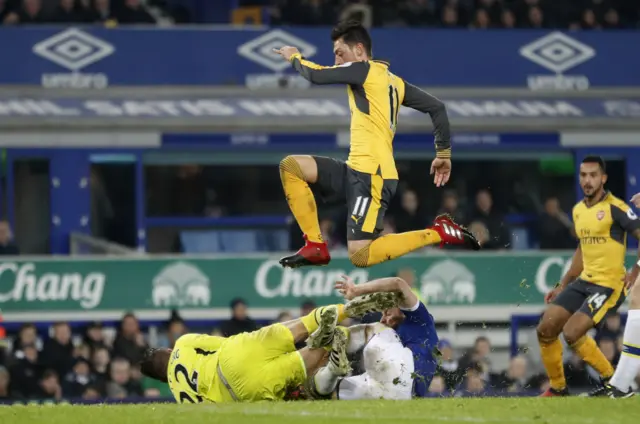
(557, 52)
(73, 49)
(260, 50)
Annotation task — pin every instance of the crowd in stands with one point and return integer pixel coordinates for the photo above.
(108, 12)
(482, 14)
(100, 362)
(573, 14)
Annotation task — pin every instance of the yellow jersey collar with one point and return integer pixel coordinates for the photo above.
(604, 196)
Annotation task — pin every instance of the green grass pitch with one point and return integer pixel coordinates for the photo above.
(446, 411)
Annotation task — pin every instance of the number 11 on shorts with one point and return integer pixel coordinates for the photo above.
(360, 206)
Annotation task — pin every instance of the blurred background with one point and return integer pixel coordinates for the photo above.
(140, 193)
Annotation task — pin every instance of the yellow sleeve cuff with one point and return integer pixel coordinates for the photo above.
(295, 56)
(444, 153)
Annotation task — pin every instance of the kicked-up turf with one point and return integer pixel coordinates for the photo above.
(448, 411)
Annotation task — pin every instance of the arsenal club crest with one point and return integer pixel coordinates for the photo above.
(600, 215)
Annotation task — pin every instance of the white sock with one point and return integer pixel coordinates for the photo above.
(629, 364)
(325, 380)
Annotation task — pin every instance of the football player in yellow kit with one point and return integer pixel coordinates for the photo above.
(261, 365)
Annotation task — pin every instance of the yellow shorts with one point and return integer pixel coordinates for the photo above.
(262, 365)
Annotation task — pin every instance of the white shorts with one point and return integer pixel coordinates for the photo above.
(388, 371)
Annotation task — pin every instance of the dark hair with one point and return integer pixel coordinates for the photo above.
(352, 33)
(596, 159)
(154, 363)
(237, 301)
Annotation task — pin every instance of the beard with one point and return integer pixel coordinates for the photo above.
(594, 192)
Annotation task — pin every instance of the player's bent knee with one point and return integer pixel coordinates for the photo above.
(359, 253)
(572, 335)
(302, 166)
(547, 330)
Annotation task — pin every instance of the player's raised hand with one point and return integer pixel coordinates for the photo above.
(636, 200)
(441, 171)
(346, 287)
(548, 298)
(286, 52)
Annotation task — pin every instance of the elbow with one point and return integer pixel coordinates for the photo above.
(400, 284)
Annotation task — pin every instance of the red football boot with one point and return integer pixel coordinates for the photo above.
(452, 233)
(551, 392)
(311, 254)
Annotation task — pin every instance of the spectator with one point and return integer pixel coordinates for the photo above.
(536, 18)
(78, 379)
(449, 17)
(49, 387)
(612, 19)
(589, 20)
(100, 364)
(30, 12)
(5, 9)
(451, 206)
(239, 322)
(4, 383)
(307, 306)
(508, 19)
(555, 227)
(94, 336)
(176, 328)
(449, 370)
(68, 12)
(120, 377)
(478, 358)
(7, 245)
(129, 342)
(410, 218)
(493, 220)
(57, 353)
(25, 374)
(481, 20)
(27, 336)
(481, 233)
(611, 328)
(513, 379)
(134, 13)
(101, 12)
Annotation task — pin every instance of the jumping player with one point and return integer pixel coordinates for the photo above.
(400, 353)
(595, 284)
(261, 365)
(367, 181)
(629, 366)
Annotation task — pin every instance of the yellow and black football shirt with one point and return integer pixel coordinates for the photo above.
(602, 230)
(375, 95)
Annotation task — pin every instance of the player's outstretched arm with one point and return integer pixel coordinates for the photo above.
(424, 102)
(349, 73)
(382, 285)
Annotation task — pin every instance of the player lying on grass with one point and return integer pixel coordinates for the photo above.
(594, 285)
(400, 353)
(261, 365)
(629, 366)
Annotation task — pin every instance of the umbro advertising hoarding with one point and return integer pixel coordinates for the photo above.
(91, 57)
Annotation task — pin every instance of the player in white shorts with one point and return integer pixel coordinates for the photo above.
(399, 355)
(619, 386)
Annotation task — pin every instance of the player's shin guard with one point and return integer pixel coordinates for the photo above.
(393, 246)
(551, 352)
(300, 199)
(629, 365)
(588, 350)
